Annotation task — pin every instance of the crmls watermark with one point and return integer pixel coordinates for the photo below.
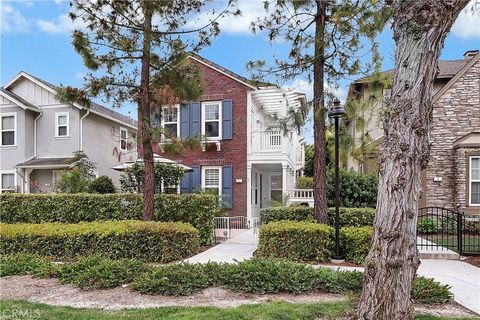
(20, 313)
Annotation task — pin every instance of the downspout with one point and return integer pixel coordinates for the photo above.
(35, 135)
(81, 129)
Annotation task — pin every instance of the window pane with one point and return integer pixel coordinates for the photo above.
(211, 129)
(212, 112)
(277, 182)
(212, 177)
(62, 131)
(123, 134)
(170, 114)
(8, 138)
(475, 168)
(276, 195)
(171, 130)
(8, 123)
(475, 193)
(123, 144)
(62, 120)
(8, 181)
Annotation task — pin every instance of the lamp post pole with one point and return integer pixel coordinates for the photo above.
(336, 113)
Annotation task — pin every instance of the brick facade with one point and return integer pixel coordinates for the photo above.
(218, 86)
(456, 114)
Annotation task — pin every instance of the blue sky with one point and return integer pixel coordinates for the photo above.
(35, 38)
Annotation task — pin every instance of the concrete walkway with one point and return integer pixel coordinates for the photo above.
(463, 278)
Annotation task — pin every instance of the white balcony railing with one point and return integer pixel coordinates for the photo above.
(267, 141)
(300, 194)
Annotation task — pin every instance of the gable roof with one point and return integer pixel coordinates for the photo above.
(252, 84)
(22, 103)
(95, 108)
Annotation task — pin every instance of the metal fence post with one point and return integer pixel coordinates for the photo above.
(460, 232)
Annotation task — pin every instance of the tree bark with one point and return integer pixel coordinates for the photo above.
(419, 27)
(319, 166)
(145, 133)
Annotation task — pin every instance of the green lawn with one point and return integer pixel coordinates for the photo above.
(470, 244)
(276, 310)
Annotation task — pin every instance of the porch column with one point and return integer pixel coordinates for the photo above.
(27, 180)
(284, 182)
(249, 191)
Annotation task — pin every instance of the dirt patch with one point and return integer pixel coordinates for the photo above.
(52, 292)
(473, 260)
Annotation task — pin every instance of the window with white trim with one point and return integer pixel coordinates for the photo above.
(170, 117)
(8, 128)
(212, 120)
(474, 181)
(123, 139)
(62, 124)
(7, 181)
(212, 179)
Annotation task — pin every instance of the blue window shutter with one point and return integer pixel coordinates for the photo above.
(195, 119)
(185, 121)
(227, 181)
(185, 183)
(227, 119)
(195, 182)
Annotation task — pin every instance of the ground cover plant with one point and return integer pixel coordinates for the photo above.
(145, 240)
(257, 276)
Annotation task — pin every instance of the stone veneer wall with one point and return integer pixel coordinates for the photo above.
(455, 114)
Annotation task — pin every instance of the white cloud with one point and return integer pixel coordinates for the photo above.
(467, 25)
(12, 20)
(63, 24)
(59, 1)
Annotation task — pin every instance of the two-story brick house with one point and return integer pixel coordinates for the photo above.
(39, 133)
(452, 177)
(244, 157)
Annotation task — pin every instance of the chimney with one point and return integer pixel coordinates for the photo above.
(470, 54)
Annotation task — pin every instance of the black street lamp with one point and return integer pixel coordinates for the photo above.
(336, 113)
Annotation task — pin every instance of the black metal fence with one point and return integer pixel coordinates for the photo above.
(445, 229)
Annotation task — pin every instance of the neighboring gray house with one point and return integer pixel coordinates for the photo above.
(38, 135)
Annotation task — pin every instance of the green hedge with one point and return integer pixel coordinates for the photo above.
(257, 276)
(357, 189)
(150, 241)
(297, 241)
(349, 217)
(355, 243)
(196, 209)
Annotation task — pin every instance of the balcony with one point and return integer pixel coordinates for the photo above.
(268, 141)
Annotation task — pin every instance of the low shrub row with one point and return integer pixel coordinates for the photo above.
(311, 242)
(257, 276)
(349, 217)
(196, 209)
(149, 241)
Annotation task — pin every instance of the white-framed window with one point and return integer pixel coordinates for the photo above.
(62, 124)
(170, 119)
(123, 139)
(212, 120)
(276, 187)
(212, 179)
(474, 180)
(7, 181)
(8, 128)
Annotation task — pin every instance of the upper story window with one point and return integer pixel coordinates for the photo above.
(212, 120)
(475, 181)
(123, 139)
(7, 182)
(8, 128)
(61, 124)
(212, 179)
(170, 117)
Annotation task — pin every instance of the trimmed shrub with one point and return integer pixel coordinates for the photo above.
(355, 243)
(196, 209)
(427, 225)
(26, 264)
(150, 241)
(429, 291)
(102, 185)
(176, 280)
(100, 272)
(297, 241)
(349, 217)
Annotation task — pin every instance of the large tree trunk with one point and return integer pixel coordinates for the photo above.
(319, 166)
(145, 133)
(420, 27)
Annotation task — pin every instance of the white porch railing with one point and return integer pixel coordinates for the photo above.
(300, 194)
(267, 141)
